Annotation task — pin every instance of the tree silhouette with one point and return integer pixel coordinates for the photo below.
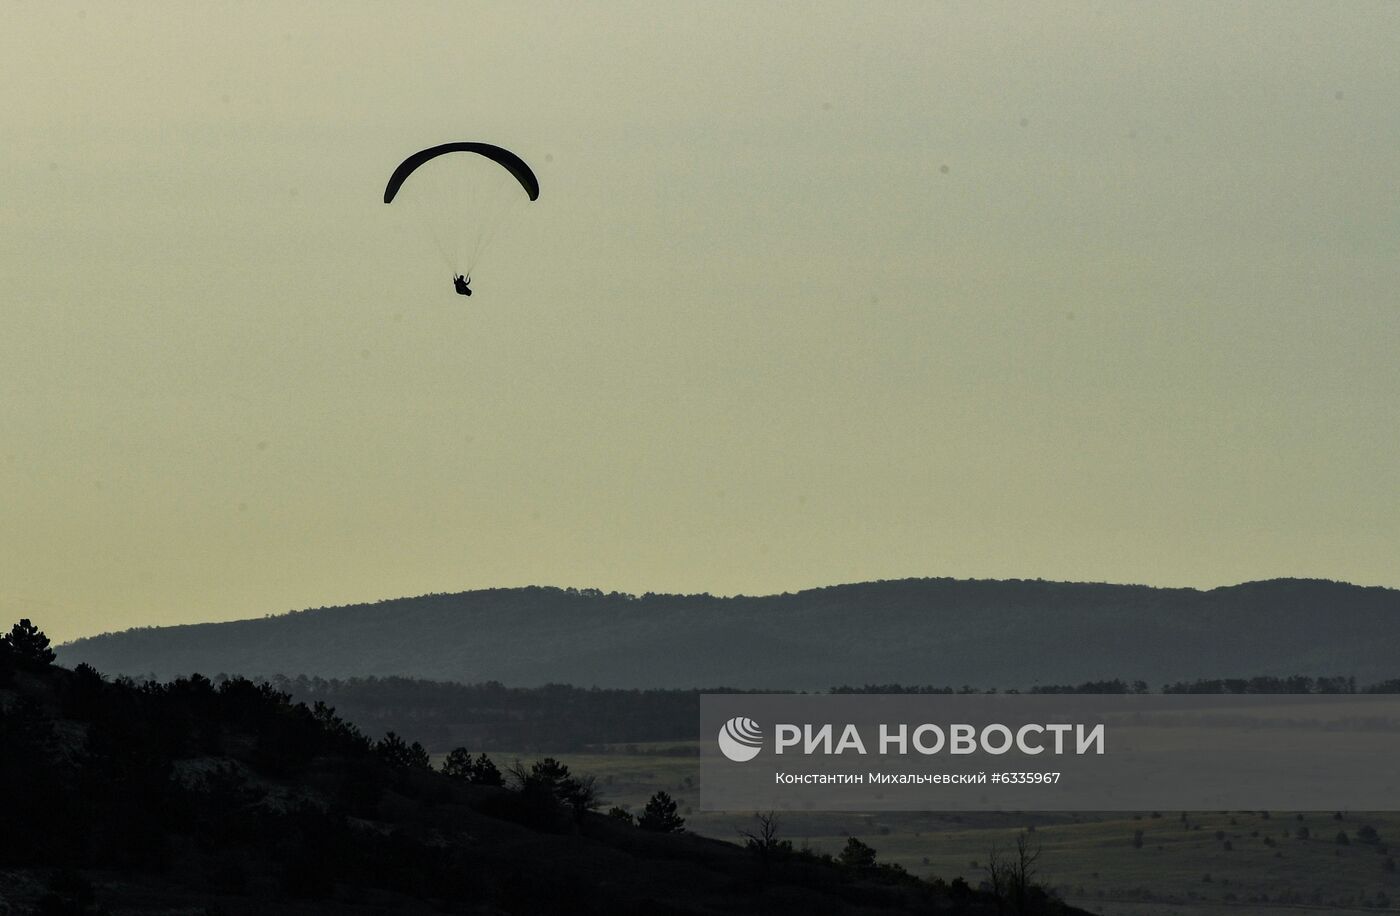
(551, 780)
(857, 854)
(485, 773)
(27, 645)
(481, 772)
(397, 752)
(458, 765)
(764, 841)
(660, 815)
(1012, 876)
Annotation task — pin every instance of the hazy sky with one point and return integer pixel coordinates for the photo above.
(813, 293)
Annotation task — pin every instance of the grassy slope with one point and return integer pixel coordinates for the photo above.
(1090, 858)
(188, 798)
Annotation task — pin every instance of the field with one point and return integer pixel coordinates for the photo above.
(1202, 862)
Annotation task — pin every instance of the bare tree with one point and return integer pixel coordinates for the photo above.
(998, 874)
(1012, 875)
(764, 840)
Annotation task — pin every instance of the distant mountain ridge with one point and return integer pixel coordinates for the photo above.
(914, 631)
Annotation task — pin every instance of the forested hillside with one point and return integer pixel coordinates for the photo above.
(917, 631)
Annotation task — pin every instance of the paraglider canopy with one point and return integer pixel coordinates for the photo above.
(504, 157)
(460, 202)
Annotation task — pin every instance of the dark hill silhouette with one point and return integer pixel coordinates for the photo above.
(192, 797)
(925, 631)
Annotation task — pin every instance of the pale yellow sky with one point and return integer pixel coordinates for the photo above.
(753, 337)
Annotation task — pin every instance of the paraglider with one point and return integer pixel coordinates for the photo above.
(504, 157)
(463, 200)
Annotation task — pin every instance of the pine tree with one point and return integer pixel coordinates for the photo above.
(28, 646)
(485, 773)
(458, 765)
(397, 752)
(660, 815)
(857, 854)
